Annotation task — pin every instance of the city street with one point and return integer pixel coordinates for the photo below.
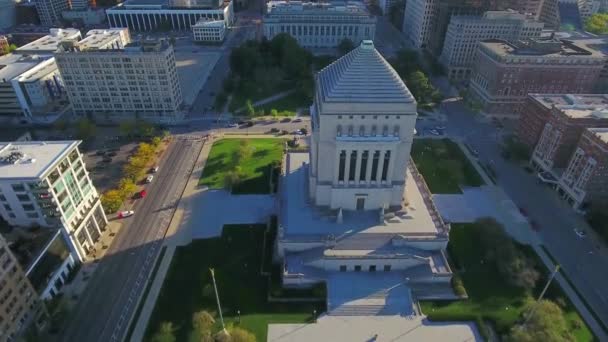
(104, 309)
(583, 260)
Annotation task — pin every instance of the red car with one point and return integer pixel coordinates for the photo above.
(142, 194)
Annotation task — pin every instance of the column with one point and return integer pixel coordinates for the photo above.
(184, 22)
(138, 22)
(172, 22)
(389, 173)
(358, 166)
(370, 162)
(380, 167)
(337, 169)
(155, 23)
(150, 28)
(347, 166)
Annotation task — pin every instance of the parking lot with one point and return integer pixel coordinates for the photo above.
(106, 163)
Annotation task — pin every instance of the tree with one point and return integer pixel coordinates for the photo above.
(240, 335)
(111, 201)
(420, 86)
(544, 321)
(249, 108)
(165, 333)
(202, 323)
(274, 113)
(345, 46)
(597, 23)
(244, 152)
(126, 187)
(231, 179)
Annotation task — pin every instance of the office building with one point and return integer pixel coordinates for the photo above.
(87, 17)
(418, 19)
(50, 11)
(7, 14)
(196, 3)
(114, 83)
(319, 24)
(150, 15)
(585, 180)
(47, 45)
(20, 307)
(46, 184)
(505, 73)
(209, 31)
(355, 209)
(465, 32)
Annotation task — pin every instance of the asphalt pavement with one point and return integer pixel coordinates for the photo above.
(104, 309)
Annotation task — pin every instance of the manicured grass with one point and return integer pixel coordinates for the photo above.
(490, 297)
(255, 178)
(236, 257)
(444, 166)
(287, 105)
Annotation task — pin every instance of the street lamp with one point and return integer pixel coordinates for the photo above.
(314, 315)
(238, 312)
(217, 298)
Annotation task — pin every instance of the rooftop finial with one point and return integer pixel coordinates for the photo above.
(367, 44)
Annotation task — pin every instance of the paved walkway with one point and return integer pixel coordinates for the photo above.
(269, 99)
(373, 329)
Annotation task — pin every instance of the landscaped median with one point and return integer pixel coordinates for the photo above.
(494, 297)
(237, 258)
(245, 166)
(444, 166)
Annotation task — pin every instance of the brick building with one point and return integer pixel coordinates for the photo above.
(505, 73)
(586, 177)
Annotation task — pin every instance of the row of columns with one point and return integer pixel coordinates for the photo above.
(368, 167)
(150, 21)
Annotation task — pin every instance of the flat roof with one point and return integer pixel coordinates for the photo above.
(601, 133)
(13, 65)
(153, 5)
(539, 47)
(306, 7)
(36, 157)
(576, 106)
(50, 42)
(300, 218)
(96, 39)
(205, 23)
(35, 73)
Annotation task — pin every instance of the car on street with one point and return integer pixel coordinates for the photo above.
(297, 120)
(580, 233)
(125, 213)
(440, 128)
(154, 169)
(285, 120)
(111, 154)
(434, 132)
(232, 125)
(298, 132)
(141, 194)
(149, 179)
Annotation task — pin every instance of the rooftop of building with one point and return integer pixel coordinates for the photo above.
(508, 15)
(305, 7)
(601, 133)
(551, 47)
(13, 65)
(96, 39)
(140, 46)
(31, 159)
(300, 218)
(362, 76)
(209, 23)
(160, 4)
(28, 244)
(576, 106)
(38, 72)
(49, 43)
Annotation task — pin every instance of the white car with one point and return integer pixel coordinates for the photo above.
(580, 233)
(154, 169)
(125, 213)
(233, 125)
(434, 132)
(149, 179)
(298, 132)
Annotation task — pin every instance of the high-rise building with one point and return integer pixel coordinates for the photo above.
(7, 14)
(505, 73)
(46, 184)
(464, 32)
(50, 11)
(315, 24)
(418, 20)
(112, 81)
(151, 15)
(20, 306)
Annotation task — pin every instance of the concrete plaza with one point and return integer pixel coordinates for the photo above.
(193, 69)
(373, 329)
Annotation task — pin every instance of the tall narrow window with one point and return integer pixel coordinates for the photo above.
(353, 166)
(342, 165)
(364, 157)
(387, 158)
(375, 163)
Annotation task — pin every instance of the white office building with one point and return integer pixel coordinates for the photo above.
(418, 20)
(213, 31)
(367, 224)
(48, 44)
(50, 11)
(46, 184)
(465, 32)
(316, 24)
(150, 15)
(112, 82)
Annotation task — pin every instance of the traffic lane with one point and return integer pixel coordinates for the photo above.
(108, 276)
(116, 267)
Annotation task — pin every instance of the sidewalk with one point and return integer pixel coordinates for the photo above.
(269, 99)
(173, 239)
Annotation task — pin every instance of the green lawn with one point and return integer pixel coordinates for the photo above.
(490, 297)
(444, 166)
(255, 170)
(287, 105)
(236, 257)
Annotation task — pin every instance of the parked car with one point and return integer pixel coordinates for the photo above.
(100, 153)
(286, 120)
(434, 132)
(154, 169)
(274, 130)
(141, 194)
(297, 120)
(298, 132)
(232, 125)
(580, 233)
(125, 213)
(149, 179)
(111, 154)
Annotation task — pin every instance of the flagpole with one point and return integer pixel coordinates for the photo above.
(217, 298)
